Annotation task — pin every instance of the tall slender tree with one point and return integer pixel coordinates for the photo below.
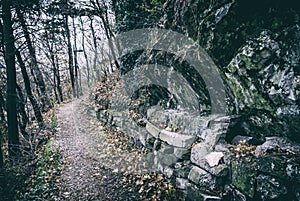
(2, 128)
(23, 117)
(33, 101)
(84, 51)
(95, 68)
(75, 59)
(70, 53)
(33, 61)
(9, 54)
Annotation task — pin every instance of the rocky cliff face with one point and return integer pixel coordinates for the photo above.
(255, 45)
(250, 153)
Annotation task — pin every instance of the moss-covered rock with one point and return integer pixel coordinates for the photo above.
(281, 166)
(244, 176)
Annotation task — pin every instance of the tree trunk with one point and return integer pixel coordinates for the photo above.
(84, 52)
(55, 87)
(35, 106)
(70, 53)
(23, 120)
(96, 51)
(58, 81)
(75, 60)
(109, 34)
(2, 108)
(55, 78)
(2, 129)
(12, 122)
(38, 74)
(1, 154)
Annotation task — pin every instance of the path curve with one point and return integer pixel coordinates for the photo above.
(93, 167)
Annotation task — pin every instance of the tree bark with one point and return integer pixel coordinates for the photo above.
(75, 60)
(12, 122)
(34, 65)
(1, 154)
(23, 120)
(54, 77)
(60, 93)
(84, 52)
(96, 51)
(70, 53)
(35, 106)
(2, 129)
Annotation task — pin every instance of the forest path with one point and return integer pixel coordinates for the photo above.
(94, 168)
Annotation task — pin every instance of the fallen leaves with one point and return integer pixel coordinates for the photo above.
(243, 150)
(153, 186)
(40, 185)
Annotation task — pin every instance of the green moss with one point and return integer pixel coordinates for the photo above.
(243, 176)
(152, 7)
(54, 121)
(247, 97)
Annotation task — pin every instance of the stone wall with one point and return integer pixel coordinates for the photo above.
(192, 151)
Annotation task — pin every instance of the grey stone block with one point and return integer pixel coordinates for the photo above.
(274, 142)
(166, 159)
(177, 140)
(182, 153)
(166, 149)
(153, 130)
(201, 177)
(198, 152)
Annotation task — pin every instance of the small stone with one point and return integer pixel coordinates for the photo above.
(241, 139)
(210, 198)
(167, 159)
(181, 183)
(219, 171)
(178, 165)
(213, 158)
(168, 172)
(234, 193)
(166, 149)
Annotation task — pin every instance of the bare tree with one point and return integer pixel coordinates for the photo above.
(75, 59)
(33, 62)
(70, 53)
(84, 51)
(9, 51)
(96, 70)
(35, 106)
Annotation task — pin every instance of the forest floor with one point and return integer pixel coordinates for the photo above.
(98, 164)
